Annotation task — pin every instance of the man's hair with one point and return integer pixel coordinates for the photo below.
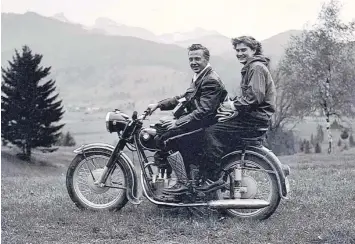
(206, 52)
(250, 42)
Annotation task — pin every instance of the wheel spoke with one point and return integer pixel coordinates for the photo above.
(87, 189)
(93, 163)
(92, 175)
(93, 195)
(258, 184)
(82, 181)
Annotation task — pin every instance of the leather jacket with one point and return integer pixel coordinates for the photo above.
(203, 98)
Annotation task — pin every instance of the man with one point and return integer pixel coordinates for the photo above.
(242, 116)
(203, 98)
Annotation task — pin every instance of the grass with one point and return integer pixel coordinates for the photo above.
(37, 209)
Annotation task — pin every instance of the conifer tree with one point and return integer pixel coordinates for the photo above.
(30, 108)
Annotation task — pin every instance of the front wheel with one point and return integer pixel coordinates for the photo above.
(81, 175)
(258, 182)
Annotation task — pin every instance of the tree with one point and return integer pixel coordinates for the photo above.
(344, 134)
(66, 140)
(313, 142)
(301, 145)
(281, 142)
(281, 139)
(284, 112)
(320, 134)
(30, 111)
(317, 68)
(307, 147)
(351, 141)
(317, 148)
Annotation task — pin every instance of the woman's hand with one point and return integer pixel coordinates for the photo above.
(226, 111)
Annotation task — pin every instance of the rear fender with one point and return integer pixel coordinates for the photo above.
(270, 158)
(124, 160)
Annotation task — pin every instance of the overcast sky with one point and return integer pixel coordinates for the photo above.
(260, 18)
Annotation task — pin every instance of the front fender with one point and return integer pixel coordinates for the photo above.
(124, 160)
(270, 158)
(90, 147)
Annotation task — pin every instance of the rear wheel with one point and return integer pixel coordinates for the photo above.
(81, 175)
(259, 183)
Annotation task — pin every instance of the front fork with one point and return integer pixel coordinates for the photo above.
(109, 165)
(235, 179)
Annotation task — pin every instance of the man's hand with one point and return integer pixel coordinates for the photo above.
(152, 107)
(169, 124)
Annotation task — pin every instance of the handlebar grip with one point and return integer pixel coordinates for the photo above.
(135, 115)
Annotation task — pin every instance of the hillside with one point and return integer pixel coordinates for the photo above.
(93, 69)
(112, 28)
(218, 44)
(274, 46)
(99, 70)
(221, 45)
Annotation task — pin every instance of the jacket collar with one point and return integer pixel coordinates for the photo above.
(197, 77)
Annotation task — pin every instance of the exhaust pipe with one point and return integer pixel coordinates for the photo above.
(239, 203)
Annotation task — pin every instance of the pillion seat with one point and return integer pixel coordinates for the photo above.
(254, 141)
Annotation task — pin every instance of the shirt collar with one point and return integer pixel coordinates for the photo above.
(195, 77)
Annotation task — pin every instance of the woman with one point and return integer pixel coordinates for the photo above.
(242, 116)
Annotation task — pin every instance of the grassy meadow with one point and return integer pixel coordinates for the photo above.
(37, 209)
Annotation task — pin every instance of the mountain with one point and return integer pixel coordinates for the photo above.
(99, 70)
(274, 46)
(103, 70)
(113, 28)
(61, 17)
(188, 35)
(221, 45)
(217, 44)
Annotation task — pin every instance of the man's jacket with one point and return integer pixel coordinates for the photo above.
(203, 98)
(258, 92)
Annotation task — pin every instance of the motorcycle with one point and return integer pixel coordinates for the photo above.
(103, 177)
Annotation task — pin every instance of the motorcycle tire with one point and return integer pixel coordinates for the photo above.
(77, 196)
(274, 199)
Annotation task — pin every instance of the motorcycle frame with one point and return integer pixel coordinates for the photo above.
(129, 136)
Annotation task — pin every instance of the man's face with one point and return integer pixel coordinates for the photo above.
(197, 61)
(243, 52)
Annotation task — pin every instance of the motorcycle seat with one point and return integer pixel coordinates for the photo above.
(254, 141)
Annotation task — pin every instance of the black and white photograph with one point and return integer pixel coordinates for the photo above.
(177, 121)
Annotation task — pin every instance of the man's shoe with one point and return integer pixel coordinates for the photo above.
(210, 185)
(177, 189)
(177, 163)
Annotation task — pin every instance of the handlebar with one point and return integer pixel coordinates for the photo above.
(134, 115)
(141, 117)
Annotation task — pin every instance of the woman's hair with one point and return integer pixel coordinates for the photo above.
(195, 47)
(250, 42)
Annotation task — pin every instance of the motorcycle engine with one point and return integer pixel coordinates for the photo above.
(162, 178)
